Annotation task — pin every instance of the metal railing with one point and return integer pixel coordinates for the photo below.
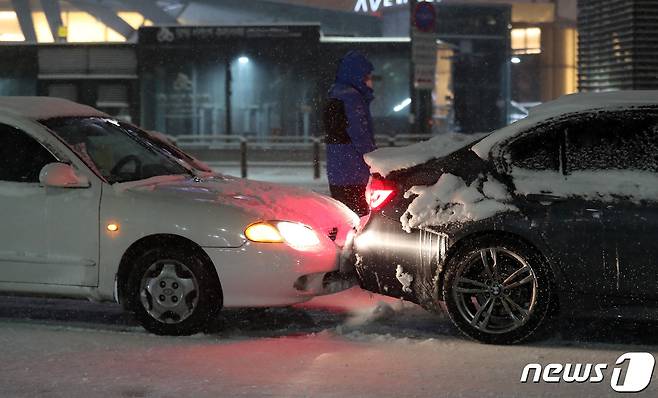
(310, 145)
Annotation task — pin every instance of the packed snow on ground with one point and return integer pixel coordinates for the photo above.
(383, 161)
(608, 186)
(352, 344)
(568, 104)
(452, 200)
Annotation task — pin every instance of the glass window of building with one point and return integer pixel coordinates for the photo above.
(526, 41)
(10, 30)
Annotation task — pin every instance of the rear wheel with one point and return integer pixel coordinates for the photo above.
(497, 291)
(171, 291)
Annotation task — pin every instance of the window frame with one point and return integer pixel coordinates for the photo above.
(140, 136)
(551, 123)
(47, 148)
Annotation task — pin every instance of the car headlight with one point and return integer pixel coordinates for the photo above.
(295, 234)
(263, 232)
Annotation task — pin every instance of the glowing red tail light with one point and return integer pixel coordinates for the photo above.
(379, 193)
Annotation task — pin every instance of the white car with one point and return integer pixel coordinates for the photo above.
(94, 208)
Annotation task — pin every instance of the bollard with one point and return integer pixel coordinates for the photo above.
(391, 140)
(243, 158)
(316, 158)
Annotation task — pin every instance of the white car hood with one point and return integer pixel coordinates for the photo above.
(266, 201)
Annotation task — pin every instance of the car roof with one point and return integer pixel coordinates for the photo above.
(581, 102)
(43, 108)
(568, 104)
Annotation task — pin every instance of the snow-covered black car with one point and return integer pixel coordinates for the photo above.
(558, 211)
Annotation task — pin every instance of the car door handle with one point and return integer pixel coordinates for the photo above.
(544, 197)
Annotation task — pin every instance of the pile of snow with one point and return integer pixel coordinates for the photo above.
(451, 200)
(607, 186)
(386, 160)
(387, 319)
(404, 278)
(380, 312)
(573, 103)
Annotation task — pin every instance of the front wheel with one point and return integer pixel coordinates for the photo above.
(497, 291)
(171, 291)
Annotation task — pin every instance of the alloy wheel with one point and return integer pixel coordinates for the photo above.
(495, 291)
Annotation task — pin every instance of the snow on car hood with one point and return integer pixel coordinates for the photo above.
(386, 160)
(451, 200)
(266, 201)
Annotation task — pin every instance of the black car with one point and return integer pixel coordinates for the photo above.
(554, 214)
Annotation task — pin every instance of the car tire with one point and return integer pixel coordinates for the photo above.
(498, 290)
(173, 291)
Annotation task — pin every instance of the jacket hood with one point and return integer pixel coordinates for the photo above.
(352, 69)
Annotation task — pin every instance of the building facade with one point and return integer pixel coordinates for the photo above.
(262, 68)
(618, 45)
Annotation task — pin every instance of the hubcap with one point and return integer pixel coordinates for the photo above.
(496, 291)
(169, 291)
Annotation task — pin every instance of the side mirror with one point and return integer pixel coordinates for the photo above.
(61, 175)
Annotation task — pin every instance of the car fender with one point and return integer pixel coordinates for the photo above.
(138, 214)
(511, 224)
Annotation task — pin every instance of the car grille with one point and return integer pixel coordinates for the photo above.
(333, 233)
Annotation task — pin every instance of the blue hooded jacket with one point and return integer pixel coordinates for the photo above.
(345, 164)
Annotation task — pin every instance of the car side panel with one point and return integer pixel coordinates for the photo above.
(140, 214)
(386, 252)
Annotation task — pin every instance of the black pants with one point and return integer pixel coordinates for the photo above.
(353, 196)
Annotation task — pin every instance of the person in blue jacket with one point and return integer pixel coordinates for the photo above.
(349, 131)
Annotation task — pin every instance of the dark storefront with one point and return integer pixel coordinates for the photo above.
(252, 81)
(263, 81)
(481, 74)
(269, 81)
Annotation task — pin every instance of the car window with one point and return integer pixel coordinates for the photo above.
(116, 153)
(21, 156)
(621, 141)
(537, 150)
(170, 149)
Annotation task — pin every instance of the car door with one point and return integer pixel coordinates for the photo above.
(51, 234)
(620, 154)
(570, 223)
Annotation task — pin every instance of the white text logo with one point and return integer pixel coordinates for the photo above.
(632, 372)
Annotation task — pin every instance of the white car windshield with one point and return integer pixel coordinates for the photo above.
(170, 149)
(116, 152)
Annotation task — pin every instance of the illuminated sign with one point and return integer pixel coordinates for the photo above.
(374, 5)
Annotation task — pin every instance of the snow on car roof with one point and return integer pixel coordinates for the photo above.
(573, 103)
(42, 108)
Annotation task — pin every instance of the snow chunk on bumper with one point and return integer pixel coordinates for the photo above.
(386, 160)
(404, 278)
(451, 200)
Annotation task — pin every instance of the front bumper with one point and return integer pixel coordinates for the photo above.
(274, 274)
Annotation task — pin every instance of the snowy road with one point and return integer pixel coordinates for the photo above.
(347, 345)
